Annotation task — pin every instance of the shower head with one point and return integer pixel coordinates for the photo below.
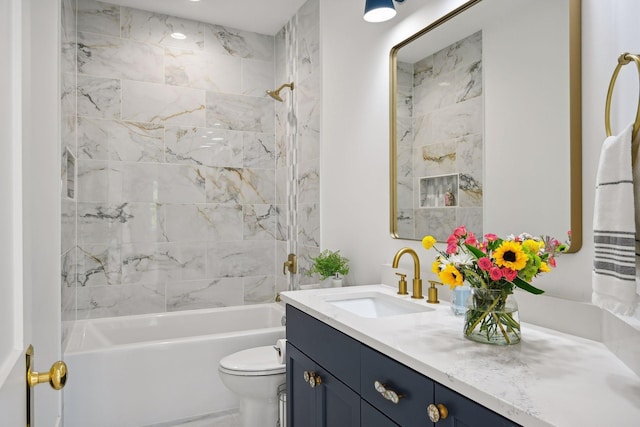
(275, 94)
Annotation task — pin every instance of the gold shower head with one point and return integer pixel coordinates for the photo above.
(275, 94)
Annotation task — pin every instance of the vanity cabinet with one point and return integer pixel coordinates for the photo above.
(320, 399)
(334, 380)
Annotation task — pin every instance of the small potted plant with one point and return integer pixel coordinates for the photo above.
(330, 264)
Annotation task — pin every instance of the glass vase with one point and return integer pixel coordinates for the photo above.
(459, 297)
(492, 317)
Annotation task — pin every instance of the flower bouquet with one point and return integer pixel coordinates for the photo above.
(493, 268)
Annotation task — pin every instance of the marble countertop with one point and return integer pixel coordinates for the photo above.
(549, 379)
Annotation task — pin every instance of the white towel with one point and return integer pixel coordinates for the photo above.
(614, 227)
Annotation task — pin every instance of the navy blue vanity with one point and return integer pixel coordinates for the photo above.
(334, 380)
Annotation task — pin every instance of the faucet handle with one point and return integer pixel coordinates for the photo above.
(432, 294)
(402, 284)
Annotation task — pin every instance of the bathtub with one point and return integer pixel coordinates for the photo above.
(142, 370)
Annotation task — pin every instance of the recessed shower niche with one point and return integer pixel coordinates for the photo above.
(439, 191)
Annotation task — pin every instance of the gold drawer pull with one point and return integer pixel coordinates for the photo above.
(386, 393)
(437, 412)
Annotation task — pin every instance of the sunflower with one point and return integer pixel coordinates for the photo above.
(511, 255)
(435, 266)
(451, 276)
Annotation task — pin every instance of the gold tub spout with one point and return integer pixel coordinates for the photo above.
(417, 281)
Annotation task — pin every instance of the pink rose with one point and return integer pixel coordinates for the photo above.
(490, 237)
(485, 263)
(471, 239)
(509, 274)
(495, 273)
(460, 231)
(452, 249)
(452, 240)
(552, 262)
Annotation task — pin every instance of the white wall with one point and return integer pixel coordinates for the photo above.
(355, 169)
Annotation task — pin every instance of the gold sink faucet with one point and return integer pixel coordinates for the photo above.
(417, 281)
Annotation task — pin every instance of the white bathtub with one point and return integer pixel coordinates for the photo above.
(142, 370)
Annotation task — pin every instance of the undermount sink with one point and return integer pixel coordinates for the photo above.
(375, 304)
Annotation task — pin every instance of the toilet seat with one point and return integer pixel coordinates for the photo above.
(253, 362)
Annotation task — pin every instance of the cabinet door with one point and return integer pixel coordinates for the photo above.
(340, 404)
(371, 417)
(464, 412)
(329, 404)
(302, 400)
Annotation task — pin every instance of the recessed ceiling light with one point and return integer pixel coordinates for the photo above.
(178, 36)
(194, 0)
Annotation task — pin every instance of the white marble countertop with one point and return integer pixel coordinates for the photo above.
(549, 379)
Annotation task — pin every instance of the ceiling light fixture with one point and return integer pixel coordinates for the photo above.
(379, 10)
(178, 36)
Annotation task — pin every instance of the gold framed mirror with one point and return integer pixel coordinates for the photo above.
(485, 131)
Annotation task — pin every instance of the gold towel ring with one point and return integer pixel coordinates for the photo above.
(623, 59)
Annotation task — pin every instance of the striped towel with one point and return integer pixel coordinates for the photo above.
(614, 227)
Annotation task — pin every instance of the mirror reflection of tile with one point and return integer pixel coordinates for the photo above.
(440, 141)
(439, 191)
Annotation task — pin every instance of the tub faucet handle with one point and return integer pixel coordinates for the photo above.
(290, 264)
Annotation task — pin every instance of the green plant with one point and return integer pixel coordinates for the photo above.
(329, 264)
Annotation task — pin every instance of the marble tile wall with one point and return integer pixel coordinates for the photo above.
(183, 175)
(305, 58)
(440, 135)
(68, 155)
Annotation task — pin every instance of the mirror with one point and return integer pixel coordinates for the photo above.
(486, 122)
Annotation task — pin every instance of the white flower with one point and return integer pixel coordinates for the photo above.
(461, 258)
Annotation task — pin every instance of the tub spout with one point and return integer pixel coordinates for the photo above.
(417, 281)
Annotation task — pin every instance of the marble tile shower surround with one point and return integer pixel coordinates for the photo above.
(184, 168)
(440, 133)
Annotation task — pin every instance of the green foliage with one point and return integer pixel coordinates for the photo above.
(329, 264)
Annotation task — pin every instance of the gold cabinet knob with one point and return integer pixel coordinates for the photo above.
(315, 380)
(56, 377)
(387, 393)
(437, 412)
(311, 378)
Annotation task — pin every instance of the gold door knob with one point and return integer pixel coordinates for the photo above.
(437, 412)
(57, 376)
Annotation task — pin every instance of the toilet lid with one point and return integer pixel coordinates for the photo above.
(253, 361)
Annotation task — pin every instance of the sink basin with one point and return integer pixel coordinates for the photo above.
(375, 304)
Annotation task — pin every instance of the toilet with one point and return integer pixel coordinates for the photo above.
(254, 376)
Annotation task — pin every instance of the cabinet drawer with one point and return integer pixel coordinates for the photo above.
(463, 411)
(328, 347)
(416, 390)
